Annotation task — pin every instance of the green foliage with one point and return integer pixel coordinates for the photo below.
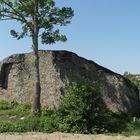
(132, 128)
(49, 123)
(7, 105)
(133, 79)
(48, 16)
(16, 117)
(117, 122)
(82, 109)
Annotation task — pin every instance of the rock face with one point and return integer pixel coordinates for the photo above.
(58, 69)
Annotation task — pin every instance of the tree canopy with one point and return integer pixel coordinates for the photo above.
(48, 17)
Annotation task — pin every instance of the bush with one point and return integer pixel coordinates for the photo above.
(118, 122)
(82, 109)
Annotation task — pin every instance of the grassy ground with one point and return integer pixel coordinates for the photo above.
(16, 117)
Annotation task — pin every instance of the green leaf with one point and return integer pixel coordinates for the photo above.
(14, 33)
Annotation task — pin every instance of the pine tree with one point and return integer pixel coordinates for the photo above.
(38, 18)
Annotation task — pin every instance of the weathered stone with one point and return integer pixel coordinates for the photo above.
(58, 69)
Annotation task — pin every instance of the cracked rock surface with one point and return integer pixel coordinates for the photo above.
(58, 69)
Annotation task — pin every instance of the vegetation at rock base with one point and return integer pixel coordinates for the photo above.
(81, 111)
(16, 117)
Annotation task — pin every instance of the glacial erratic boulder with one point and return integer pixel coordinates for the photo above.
(58, 69)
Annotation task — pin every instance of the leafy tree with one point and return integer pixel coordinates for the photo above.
(38, 18)
(133, 79)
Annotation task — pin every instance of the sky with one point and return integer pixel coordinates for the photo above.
(104, 31)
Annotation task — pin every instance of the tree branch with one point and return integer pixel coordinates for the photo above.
(9, 17)
(17, 13)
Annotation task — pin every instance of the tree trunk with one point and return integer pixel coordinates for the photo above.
(36, 101)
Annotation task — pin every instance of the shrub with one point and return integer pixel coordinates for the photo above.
(82, 109)
(118, 122)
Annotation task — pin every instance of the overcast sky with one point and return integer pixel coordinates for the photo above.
(105, 31)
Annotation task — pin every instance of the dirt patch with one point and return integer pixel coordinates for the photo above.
(62, 136)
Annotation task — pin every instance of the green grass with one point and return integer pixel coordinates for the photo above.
(12, 111)
(133, 128)
(16, 117)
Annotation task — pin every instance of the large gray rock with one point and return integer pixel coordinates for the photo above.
(58, 69)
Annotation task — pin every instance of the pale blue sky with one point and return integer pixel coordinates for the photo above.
(105, 31)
